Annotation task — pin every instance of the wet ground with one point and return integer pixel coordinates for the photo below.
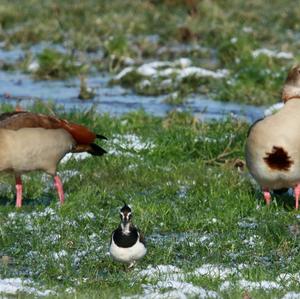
(19, 87)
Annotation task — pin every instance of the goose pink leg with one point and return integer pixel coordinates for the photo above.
(297, 194)
(60, 190)
(19, 189)
(267, 196)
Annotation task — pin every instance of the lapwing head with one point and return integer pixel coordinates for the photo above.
(125, 214)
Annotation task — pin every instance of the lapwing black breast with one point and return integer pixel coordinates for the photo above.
(127, 243)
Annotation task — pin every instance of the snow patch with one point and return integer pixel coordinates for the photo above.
(171, 278)
(201, 72)
(215, 271)
(250, 285)
(248, 223)
(146, 70)
(251, 242)
(152, 272)
(123, 73)
(33, 66)
(128, 142)
(180, 69)
(271, 53)
(60, 254)
(13, 286)
(291, 295)
(76, 156)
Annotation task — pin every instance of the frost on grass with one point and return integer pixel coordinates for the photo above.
(168, 281)
(189, 238)
(248, 223)
(44, 240)
(127, 144)
(215, 271)
(271, 53)
(14, 286)
(201, 72)
(251, 285)
(291, 295)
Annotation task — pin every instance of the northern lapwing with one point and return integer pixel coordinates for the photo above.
(127, 243)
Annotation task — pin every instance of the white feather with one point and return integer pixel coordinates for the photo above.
(128, 254)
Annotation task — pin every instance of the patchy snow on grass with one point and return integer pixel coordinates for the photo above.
(167, 281)
(146, 70)
(33, 66)
(193, 71)
(271, 53)
(183, 62)
(251, 241)
(128, 142)
(145, 83)
(215, 271)
(76, 156)
(60, 254)
(189, 238)
(288, 279)
(185, 290)
(166, 277)
(291, 295)
(124, 72)
(248, 223)
(250, 285)
(180, 69)
(13, 286)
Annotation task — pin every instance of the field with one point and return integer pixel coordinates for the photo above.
(208, 231)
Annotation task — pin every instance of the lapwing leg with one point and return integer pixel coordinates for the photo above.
(267, 196)
(19, 189)
(297, 194)
(59, 187)
(131, 265)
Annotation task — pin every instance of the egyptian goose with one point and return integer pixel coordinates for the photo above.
(273, 144)
(127, 244)
(30, 141)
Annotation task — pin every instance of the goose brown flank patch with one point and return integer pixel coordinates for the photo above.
(278, 159)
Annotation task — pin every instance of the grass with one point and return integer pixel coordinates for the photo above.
(212, 34)
(193, 205)
(201, 215)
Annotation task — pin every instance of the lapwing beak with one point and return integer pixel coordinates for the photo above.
(125, 217)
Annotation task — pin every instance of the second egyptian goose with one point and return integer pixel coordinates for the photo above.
(30, 141)
(273, 144)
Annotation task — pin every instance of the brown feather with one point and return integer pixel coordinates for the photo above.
(278, 159)
(22, 119)
(80, 133)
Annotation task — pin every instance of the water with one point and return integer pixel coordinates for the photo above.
(18, 87)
